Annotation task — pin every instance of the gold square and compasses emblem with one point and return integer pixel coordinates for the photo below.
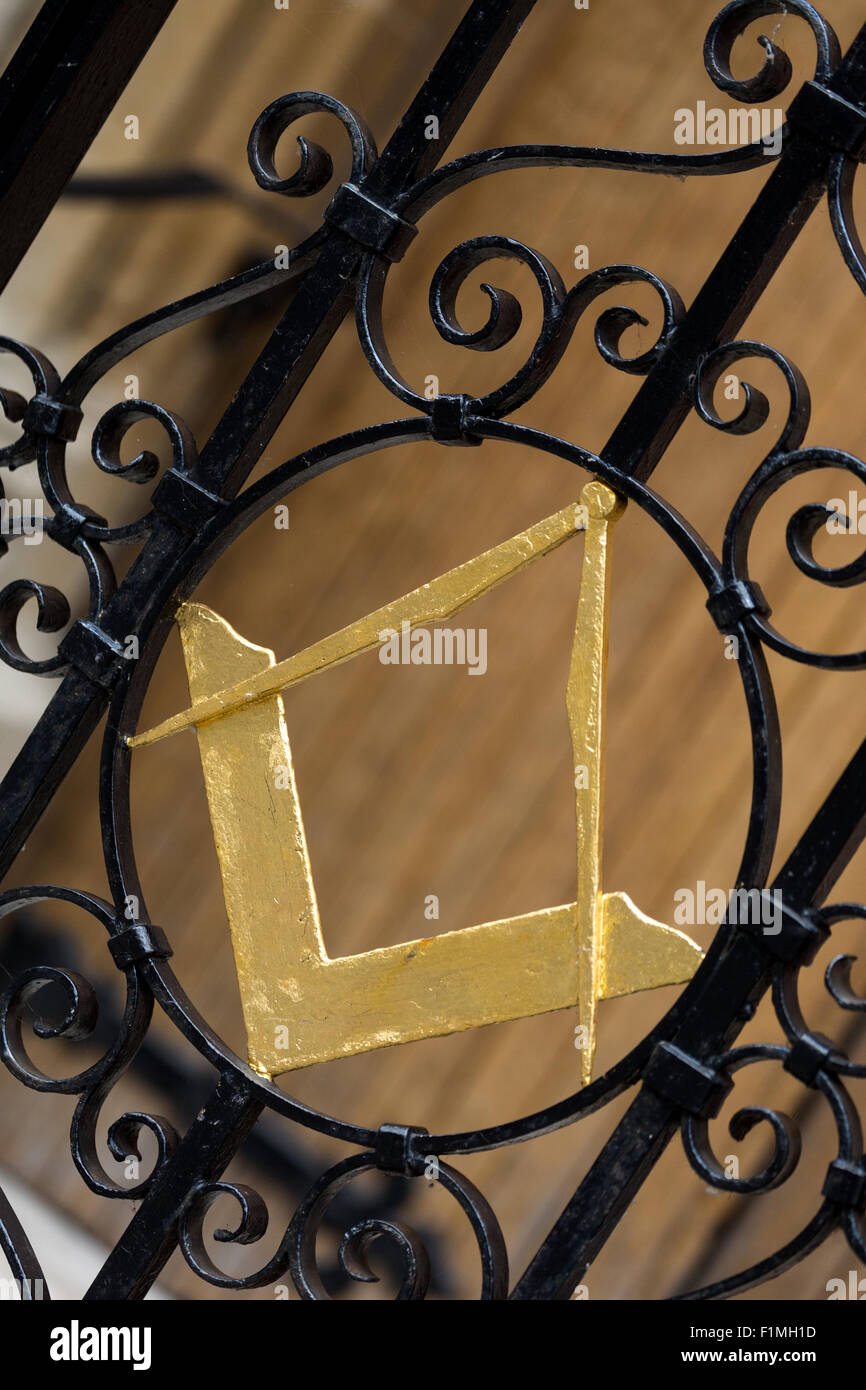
(300, 1006)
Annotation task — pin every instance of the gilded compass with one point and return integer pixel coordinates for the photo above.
(301, 1006)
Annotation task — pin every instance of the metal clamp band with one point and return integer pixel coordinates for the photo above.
(374, 227)
(139, 941)
(689, 1083)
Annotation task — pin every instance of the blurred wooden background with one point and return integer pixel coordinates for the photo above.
(417, 781)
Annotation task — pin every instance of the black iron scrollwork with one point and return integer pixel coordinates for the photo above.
(366, 228)
(297, 1250)
(77, 1022)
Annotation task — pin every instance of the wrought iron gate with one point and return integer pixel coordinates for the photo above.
(683, 1070)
